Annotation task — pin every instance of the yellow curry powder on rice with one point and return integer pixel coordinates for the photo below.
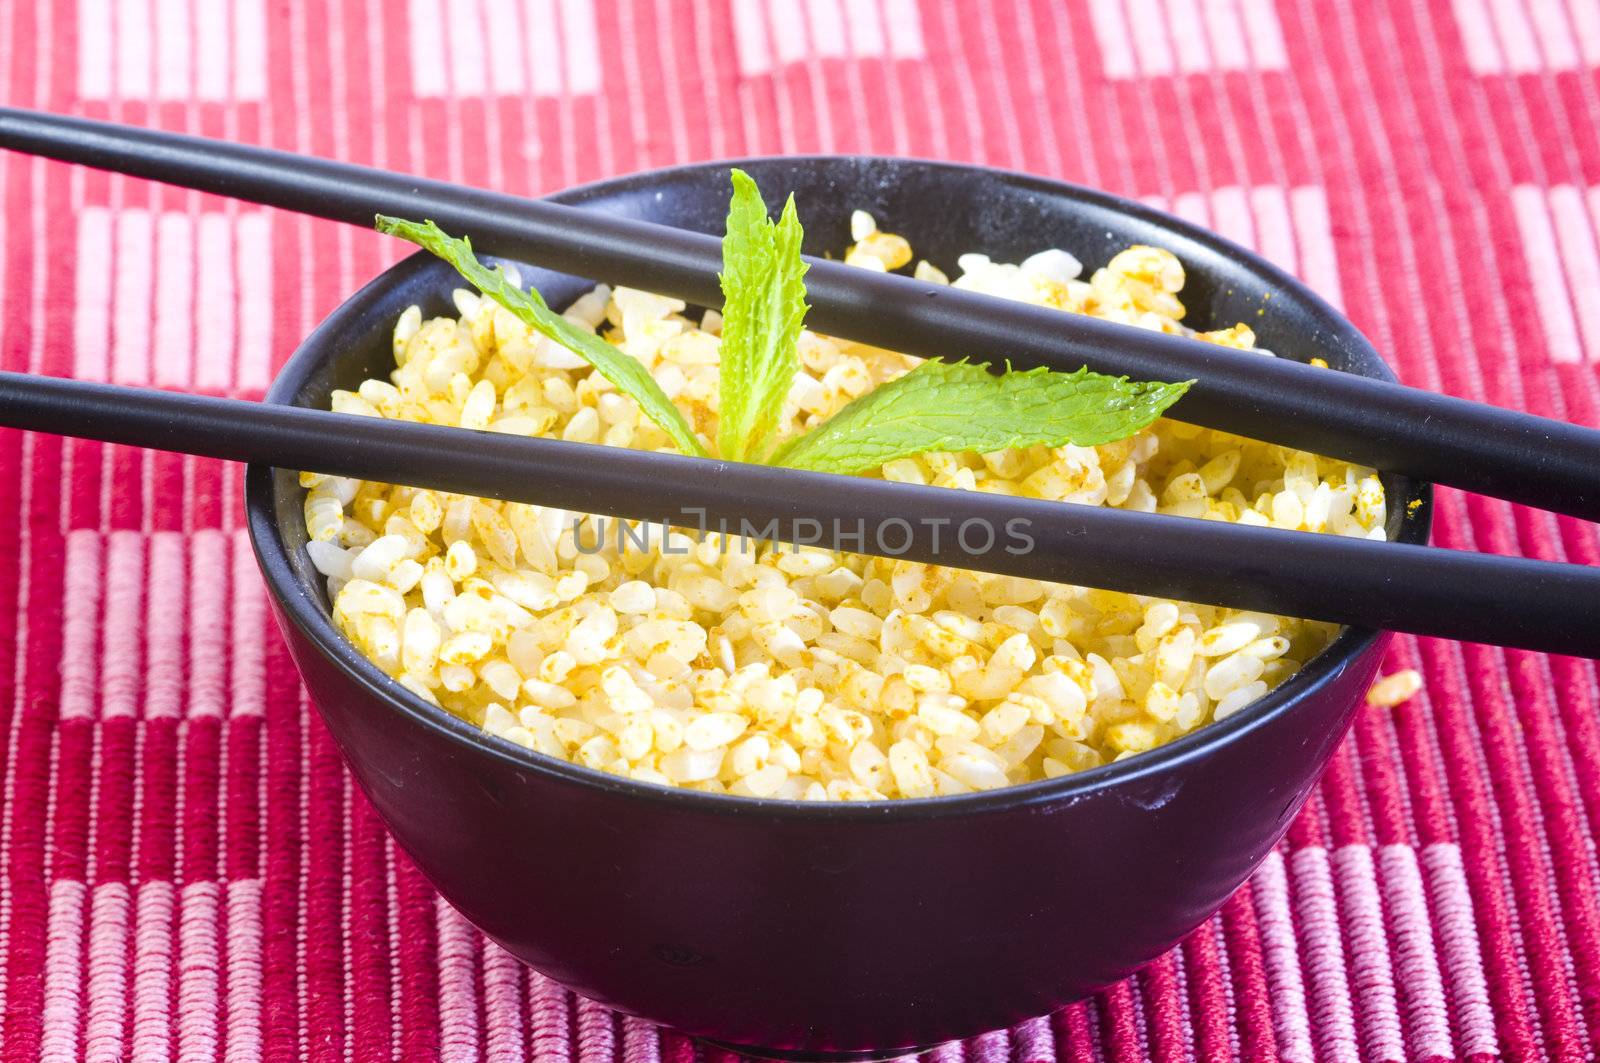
(762, 669)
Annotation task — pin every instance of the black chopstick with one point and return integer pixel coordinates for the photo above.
(1536, 605)
(1512, 455)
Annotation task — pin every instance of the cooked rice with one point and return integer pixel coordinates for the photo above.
(762, 670)
(1396, 689)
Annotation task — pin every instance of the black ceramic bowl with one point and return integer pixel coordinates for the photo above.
(808, 929)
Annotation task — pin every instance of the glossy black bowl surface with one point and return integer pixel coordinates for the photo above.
(809, 929)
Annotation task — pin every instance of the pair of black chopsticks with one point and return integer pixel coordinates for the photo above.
(1455, 594)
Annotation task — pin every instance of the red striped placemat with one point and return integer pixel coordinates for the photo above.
(185, 868)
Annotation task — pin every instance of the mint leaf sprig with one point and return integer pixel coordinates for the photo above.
(959, 407)
(955, 407)
(764, 307)
(627, 373)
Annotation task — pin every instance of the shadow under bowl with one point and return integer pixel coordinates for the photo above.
(831, 930)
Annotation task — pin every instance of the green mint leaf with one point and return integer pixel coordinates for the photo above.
(764, 304)
(963, 407)
(626, 372)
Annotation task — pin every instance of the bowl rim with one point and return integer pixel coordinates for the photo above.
(316, 626)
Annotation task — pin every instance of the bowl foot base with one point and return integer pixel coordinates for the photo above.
(787, 1055)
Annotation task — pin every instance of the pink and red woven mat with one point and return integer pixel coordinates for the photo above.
(185, 868)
